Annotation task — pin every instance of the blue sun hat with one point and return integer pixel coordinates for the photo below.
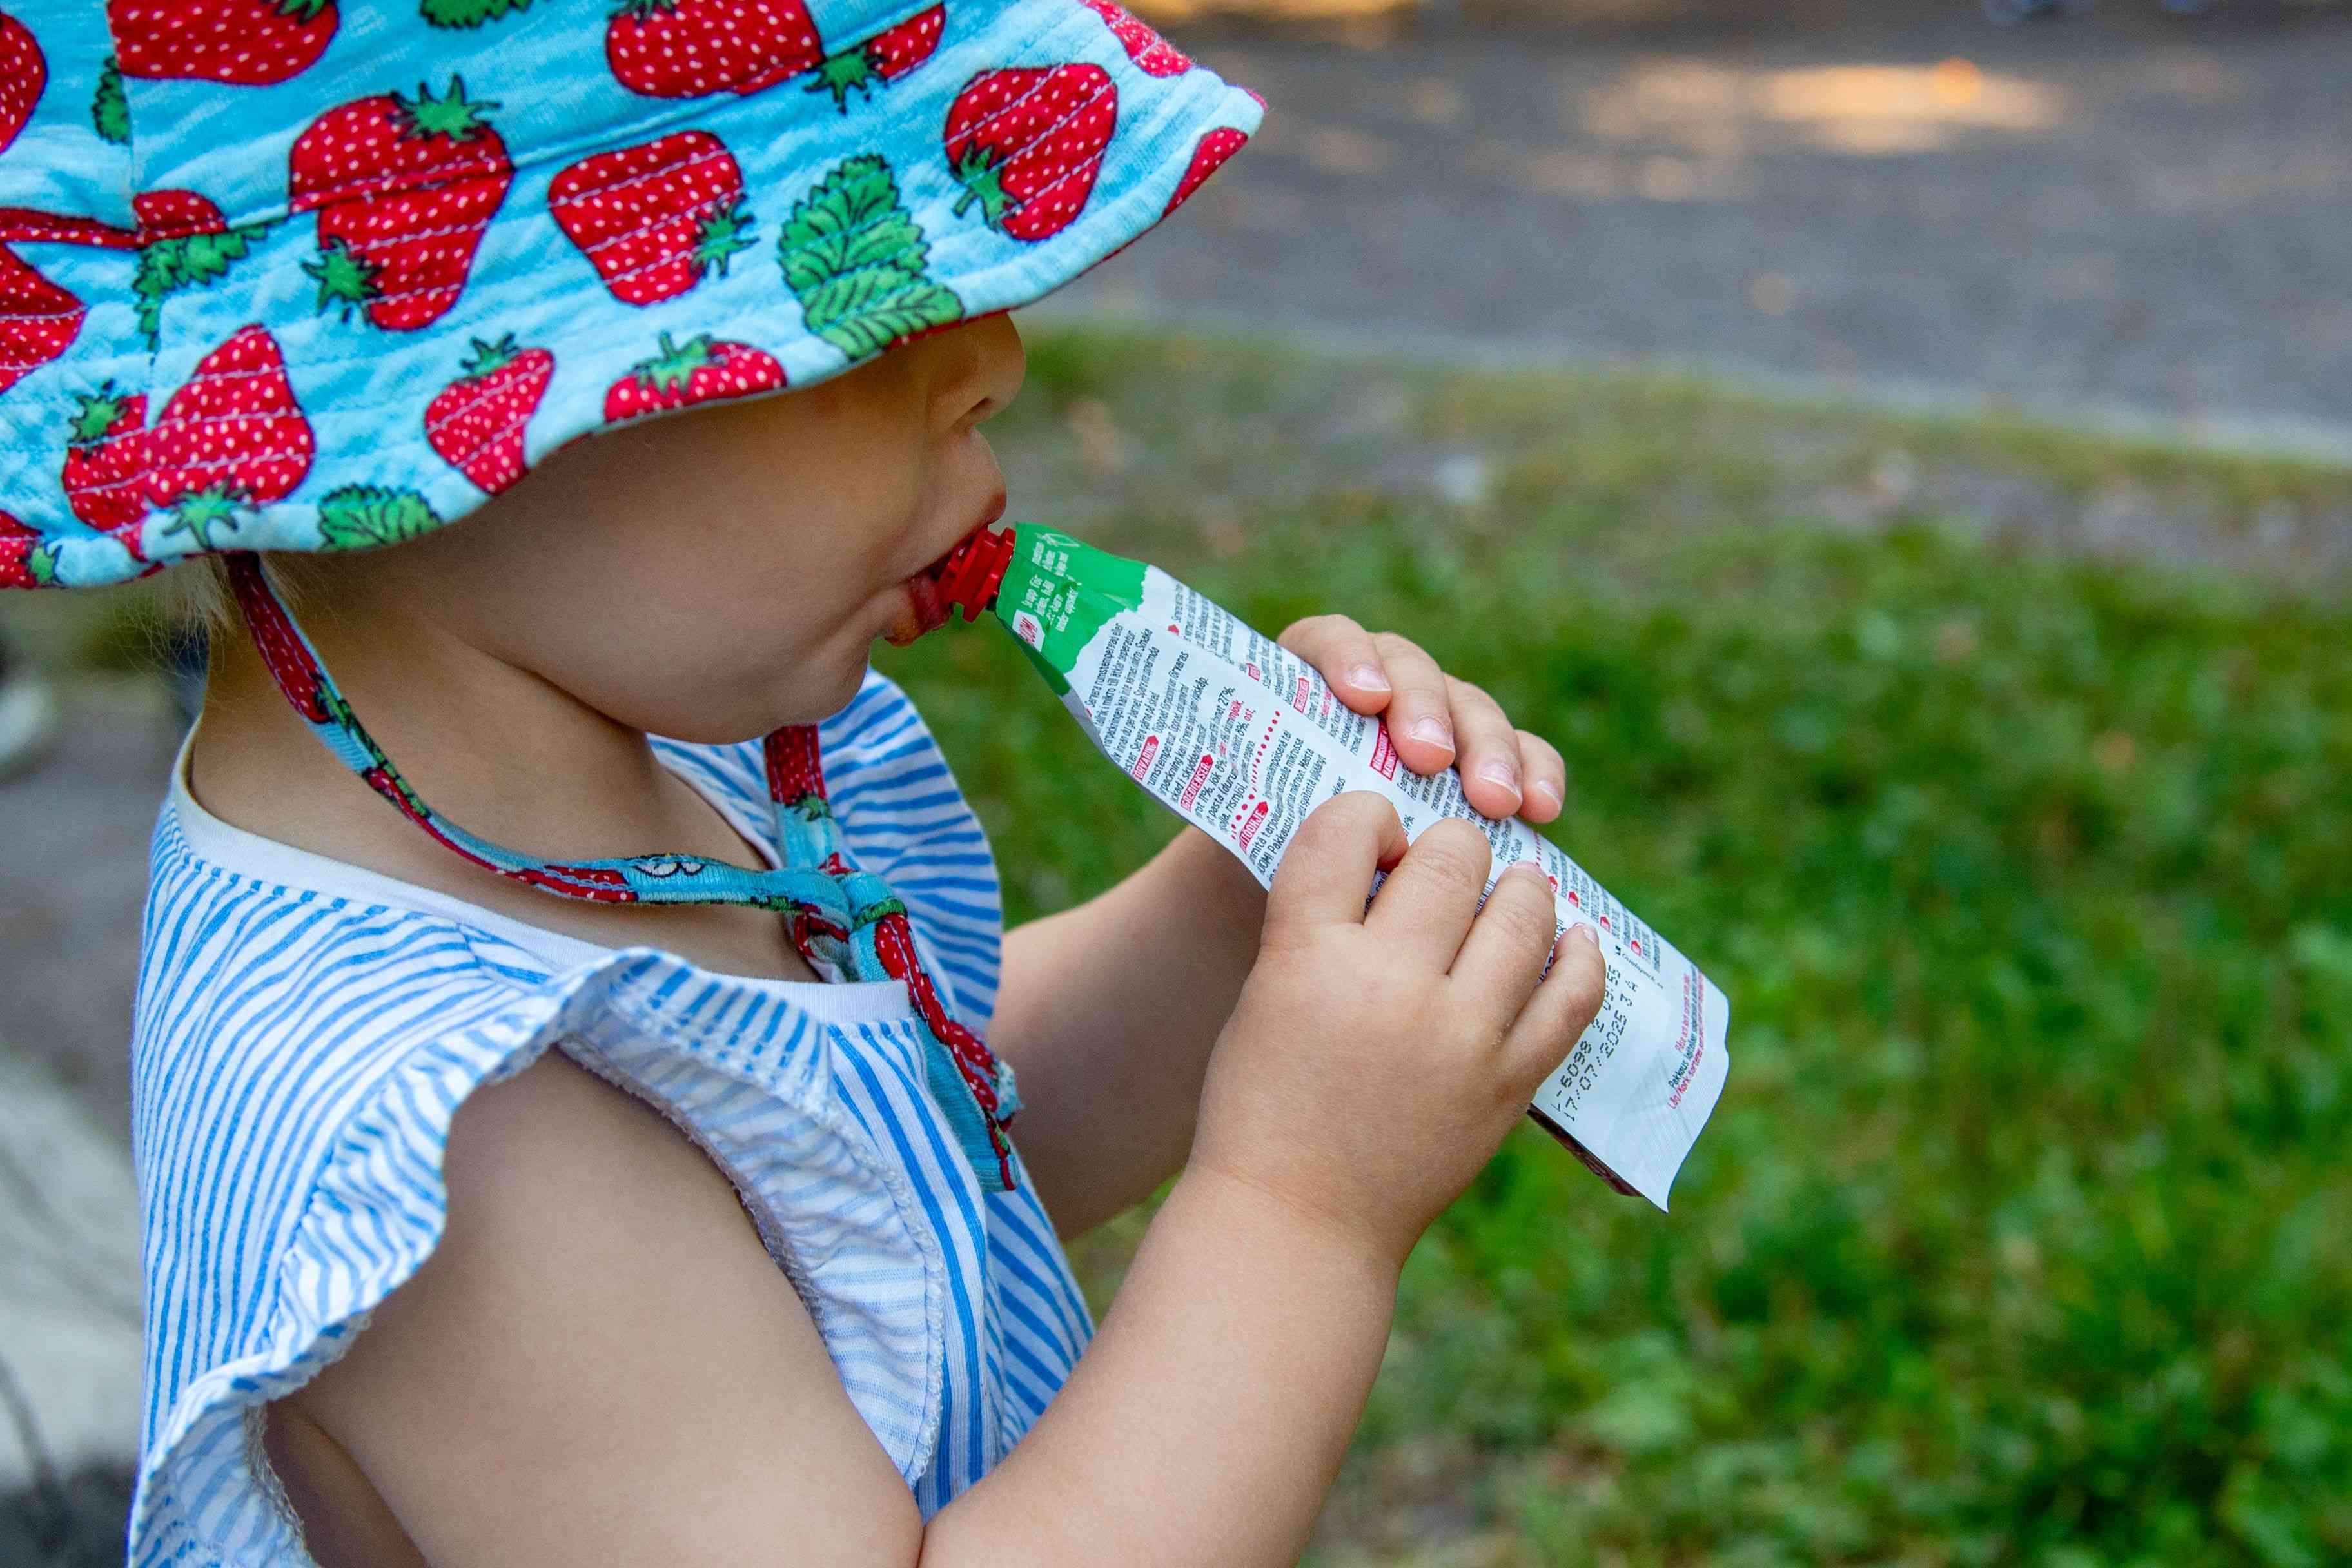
(326, 274)
(313, 275)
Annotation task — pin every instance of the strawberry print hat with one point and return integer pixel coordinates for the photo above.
(324, 274)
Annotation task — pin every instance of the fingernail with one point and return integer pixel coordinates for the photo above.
(1542, 789)
(1368, 678)
(1434, 731)
(1501, 773)
(1591, 938)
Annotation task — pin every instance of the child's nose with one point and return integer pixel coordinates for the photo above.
(999, 366)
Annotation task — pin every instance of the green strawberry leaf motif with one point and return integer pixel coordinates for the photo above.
(981, 176)
(199, 514)
(866, 914)
(360, 517)
(345, 279)
(109, 112)
(856, 259)
(671, 369)
(453, 115)
(467, 13)
(724, 234)
(187, 261)
(94, 415)
(836, 74)
(490, 356)
(875, 309)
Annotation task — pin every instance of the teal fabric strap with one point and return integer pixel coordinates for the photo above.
(835, 913)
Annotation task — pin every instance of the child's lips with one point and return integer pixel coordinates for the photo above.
(926, 611)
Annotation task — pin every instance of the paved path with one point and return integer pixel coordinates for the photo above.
(68, 1286)
(70, 889)
(2117, 218)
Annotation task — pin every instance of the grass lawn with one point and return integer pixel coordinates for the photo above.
(1999, 776)
(2021, 1232)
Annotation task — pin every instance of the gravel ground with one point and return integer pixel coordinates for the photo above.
(2129, 218)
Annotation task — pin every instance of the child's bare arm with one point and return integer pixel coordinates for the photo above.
(601, 1364)
(1108, 1012)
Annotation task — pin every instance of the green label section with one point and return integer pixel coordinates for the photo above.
(1058, 592)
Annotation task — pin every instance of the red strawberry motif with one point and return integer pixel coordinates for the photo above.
(476, 423)
(25, 558)
(185, 242)
(23, 72)
(796, 768)
(1214, 148)
(687, 48)
(653, 219)
(1027, 142)
(172, 215)
(886, 57)
(1155, 55)
(404, 188)
(232, 436)
(106, 462)
(32, 225)
(37, 318)
(697, 371)
(247, 43)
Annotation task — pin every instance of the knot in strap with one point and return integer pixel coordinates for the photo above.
(869, 899)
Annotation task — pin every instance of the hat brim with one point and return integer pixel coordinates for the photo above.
(838, 220)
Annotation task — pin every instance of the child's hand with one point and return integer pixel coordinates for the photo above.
(1376, 1058)
(1435, 720)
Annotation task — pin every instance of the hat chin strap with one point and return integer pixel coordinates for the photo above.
(837, 915)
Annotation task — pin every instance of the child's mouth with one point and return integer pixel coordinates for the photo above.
(923, 601)
(929, 605)
(927, 611)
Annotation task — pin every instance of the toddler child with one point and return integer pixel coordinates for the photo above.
(575, 1057)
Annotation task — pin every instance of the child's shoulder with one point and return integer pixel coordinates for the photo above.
(269, 973)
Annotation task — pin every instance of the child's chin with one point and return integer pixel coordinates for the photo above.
(816, 691)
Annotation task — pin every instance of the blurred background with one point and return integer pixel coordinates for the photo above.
(1903, 453)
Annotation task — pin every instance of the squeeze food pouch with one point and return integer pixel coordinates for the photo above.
(1242, 739)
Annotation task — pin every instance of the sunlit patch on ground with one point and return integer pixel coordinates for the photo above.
(1868, 109)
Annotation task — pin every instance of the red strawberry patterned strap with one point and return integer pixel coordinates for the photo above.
(837, 915)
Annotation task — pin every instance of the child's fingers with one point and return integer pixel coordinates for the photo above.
(1421, 715)
(1346, 655)
(1562, 1007)
(1426, 905)
(1332, 857)
(1545, 773)
(1492, 778)
(1503, 956)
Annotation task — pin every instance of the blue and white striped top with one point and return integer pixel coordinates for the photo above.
(306, 1030)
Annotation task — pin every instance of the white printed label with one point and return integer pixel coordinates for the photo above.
(1242, 739)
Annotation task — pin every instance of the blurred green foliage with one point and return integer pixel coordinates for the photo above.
(2023, 1232)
